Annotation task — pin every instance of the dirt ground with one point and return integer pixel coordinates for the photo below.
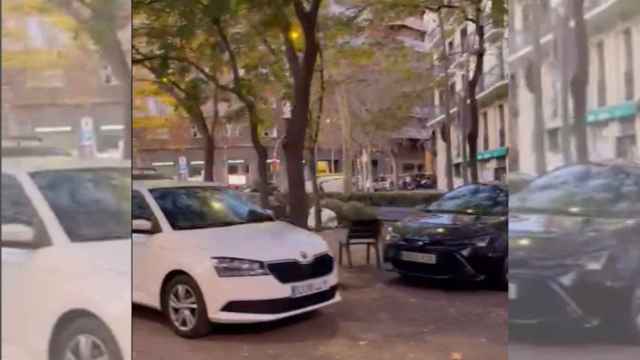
(380, 317)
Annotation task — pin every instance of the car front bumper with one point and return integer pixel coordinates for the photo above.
(538, 298)
(264, 298)
(451, 263)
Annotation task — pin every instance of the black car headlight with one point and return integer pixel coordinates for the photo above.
(231, 267)
(392, 235)
(481, 241)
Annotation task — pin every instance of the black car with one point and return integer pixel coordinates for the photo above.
(461, 236)
(574, 243)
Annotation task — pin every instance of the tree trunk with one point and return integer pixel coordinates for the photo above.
(447, 106)
(209, 136)
(347, 154)
(579, 83)
(261, 153)
(448, 156)
(472, 136)
(209, 149)
(313, 172)
(536, 88)
(394, 169)
(302, 71)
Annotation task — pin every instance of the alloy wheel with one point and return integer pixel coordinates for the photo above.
(86, 347)
(183, 307)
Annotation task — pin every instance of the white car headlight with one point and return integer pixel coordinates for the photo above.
(231, 267)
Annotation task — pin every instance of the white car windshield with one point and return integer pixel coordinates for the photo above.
(205, 207)
(90, 204)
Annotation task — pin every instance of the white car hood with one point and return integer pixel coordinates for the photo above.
(266, 241)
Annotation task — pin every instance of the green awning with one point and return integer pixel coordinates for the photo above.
(624, 110)
(494, 153)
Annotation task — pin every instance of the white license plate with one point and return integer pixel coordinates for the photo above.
(513, 291)
(418, 257)
(308, 288)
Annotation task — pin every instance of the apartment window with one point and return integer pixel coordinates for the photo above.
(502, 136)
(485, 134)
(457, 170)
(195, 133)
(527, 16)
(553, 137)
(441, 98)
(408, 168)
(463, 39)
(626, 147)
(602, 86)
(45, 79)
(628, 72)
(238, 169)
(107, 77)
(152, 106)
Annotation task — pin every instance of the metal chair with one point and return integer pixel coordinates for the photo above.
(362, 233)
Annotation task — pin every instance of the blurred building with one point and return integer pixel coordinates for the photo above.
(51, 81)
(492, 95)
(613, 125)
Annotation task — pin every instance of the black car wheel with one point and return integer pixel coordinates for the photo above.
(184, 307)
(85, 338)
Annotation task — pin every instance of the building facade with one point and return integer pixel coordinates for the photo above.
(613, 123)
(492, 94)
(51, 82)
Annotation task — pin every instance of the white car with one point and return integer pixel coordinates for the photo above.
(202, 254)
(66, 252)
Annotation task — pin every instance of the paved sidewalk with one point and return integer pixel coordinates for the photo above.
(379, 318)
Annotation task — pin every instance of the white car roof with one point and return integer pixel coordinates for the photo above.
(30, 164)
(161, 184)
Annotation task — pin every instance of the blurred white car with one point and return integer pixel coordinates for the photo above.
(66, 255)
(203, 254)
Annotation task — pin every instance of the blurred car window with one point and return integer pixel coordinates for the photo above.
(80, 197)
(18, 209)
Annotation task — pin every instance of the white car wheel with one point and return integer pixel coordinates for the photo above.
(85, 339)
(185, 307)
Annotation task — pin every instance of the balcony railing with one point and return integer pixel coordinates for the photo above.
(491, 77)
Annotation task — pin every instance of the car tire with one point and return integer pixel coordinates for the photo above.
(184, 307)
(70, 341)
(634, 318)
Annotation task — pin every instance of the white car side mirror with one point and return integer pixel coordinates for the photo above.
(142, 226)
(18, 233)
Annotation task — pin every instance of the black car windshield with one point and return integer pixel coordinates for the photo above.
(204, 207)
(590, 189)
(90, 204)
(473, 199)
